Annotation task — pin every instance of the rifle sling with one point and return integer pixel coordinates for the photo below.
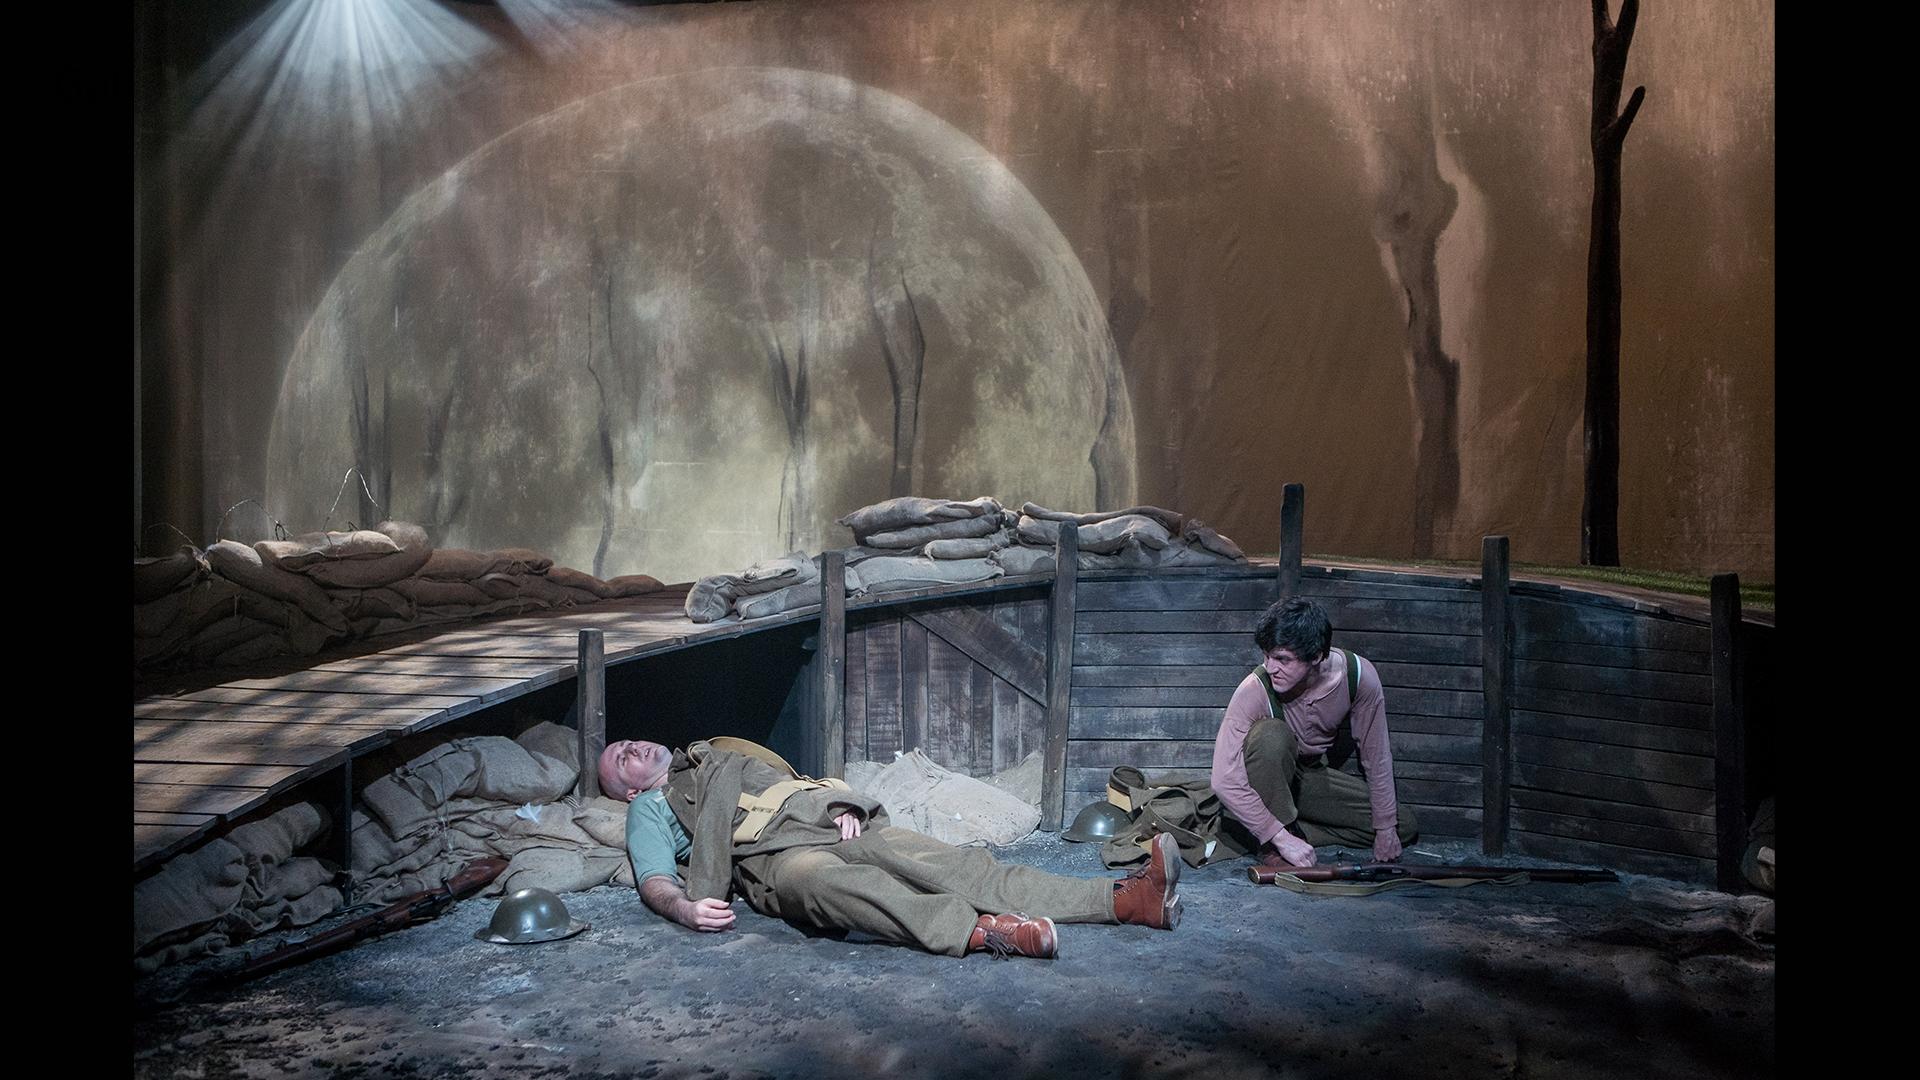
(1368, 888)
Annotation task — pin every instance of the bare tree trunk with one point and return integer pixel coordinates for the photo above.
(1600, 506)
(905, 354)
(790, 390)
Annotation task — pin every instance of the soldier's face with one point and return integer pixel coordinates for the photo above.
(630, 766)
(1285, 669)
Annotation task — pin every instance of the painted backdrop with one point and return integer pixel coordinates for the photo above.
(666, 289)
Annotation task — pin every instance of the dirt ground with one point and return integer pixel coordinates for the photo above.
(1644, 978)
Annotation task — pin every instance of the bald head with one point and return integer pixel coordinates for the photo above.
(629, 767)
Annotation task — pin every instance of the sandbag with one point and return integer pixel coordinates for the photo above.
(1103, 537)
(908, 511)
(777, 601)
(433, 593)
(633, 585)
(1168, 519)
(712, 598)
(893, 575)
(313, 548)
(242, 565)
(580, 580)
(913, 537)
(973, 548)
(1024, 560)
(154, 578)
(377, 570)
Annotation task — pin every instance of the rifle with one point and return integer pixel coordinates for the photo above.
(419, 907)
(1370, 872)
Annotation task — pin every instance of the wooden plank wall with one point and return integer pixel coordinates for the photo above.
(1612, 738)
(1156, 660)
(963, 682)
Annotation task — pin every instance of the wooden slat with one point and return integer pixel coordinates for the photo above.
(1682, 769)
(1224, 677)
(153, 842)
(855, 710)
(1437, 821)
(1062, 650)
(490, 646)
(1676, 740)
(1585, 624)
(1624, 682)
(1182, 753)
(1613, 707)
(1089, 778)
(975, 633)
(270, 777)
(1190, 697)
(1436, 770)
(162, 817)
(1452, 749)
(1124, 722)
(1497, 680)
(590, 712)
(194, 799)
(980, 725)
(1238, 650)
(451, 666)
(1464, 727)
(1729, 734)
(831, 657)
(913, 686)
(1254, 594)
(207, 742)
(1635, 790)
(1667, 841)
(379, 719)
(1035, 613)
(371, 682)
(949, 706)
(1293, 517)
(1691, 663)
(1631, 860)
(1428, 676)
(884, 728)
(1626, 813)
(1390, 616)
(1437, 793)
(1434, 703)
(314, 699)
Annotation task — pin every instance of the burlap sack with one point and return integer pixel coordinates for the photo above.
(242, 565)
(777, 601)
(977, 547)
(712, 598)
(359, 604)
(908, 511)
(1103, 537)
(432, 593)
(317, 547)
(913, 537)
(1171, 521)
(952, 808)
(154, 578)
(893, 575)
(1018, 560)
(576, 579)
(374, 571)
(458, 564)
(633, 585)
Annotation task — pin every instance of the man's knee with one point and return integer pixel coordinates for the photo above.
(1271, 740)
(803, 871)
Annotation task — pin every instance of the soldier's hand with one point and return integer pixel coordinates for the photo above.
(849, 823)
(1293, 849)
(709, 915)
(1386, 845)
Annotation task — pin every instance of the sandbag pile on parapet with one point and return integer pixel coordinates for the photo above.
(413, 829)
(914, 543)
(234, 603)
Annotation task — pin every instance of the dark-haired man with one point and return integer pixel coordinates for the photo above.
(819, 854)
(1270, 757)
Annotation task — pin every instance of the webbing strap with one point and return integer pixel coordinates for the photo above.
(1368, 888)
(761, 808)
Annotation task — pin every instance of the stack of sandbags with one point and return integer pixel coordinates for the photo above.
(232, 888)
(1137, 538)
(413, 829)
(912, 543)
(234, 602)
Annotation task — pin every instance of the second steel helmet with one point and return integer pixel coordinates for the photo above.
(528, 916)
(1097, 822)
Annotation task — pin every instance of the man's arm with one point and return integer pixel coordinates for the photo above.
(665, 897)
(1370, 733)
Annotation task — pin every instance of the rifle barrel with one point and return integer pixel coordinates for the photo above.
(1265, 875)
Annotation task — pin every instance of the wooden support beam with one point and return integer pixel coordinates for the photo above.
(831, 658)
(590, 708)
(343, 833)
(1293, 509)
(1729, 735)
(1066, 563)
(1496, 681)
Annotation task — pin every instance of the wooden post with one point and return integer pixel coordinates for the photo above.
(1053, 781)
(1729, 735)
(590, 707)
(343, 833)
(831, 656)
(1496, 689)
(1293, 508)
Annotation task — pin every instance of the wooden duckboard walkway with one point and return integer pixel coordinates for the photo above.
(211, 746)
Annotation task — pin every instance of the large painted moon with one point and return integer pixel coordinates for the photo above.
(679, 326)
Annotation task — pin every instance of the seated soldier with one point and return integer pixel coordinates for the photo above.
(819, 854)
(1270, 757)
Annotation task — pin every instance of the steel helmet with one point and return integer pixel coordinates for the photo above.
(1097, 821)
(528, 916)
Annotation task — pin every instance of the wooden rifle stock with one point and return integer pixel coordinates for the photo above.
(1366, 872)
(470, 879)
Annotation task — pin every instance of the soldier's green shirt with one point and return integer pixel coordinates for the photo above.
(655, 840)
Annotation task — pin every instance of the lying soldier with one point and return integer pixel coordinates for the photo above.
(819, 854)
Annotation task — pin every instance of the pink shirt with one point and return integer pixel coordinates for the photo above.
(1313, 717)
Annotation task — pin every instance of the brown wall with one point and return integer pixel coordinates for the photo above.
(1269, 203)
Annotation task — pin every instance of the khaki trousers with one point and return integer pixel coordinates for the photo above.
(1323, 805)
(910, 889)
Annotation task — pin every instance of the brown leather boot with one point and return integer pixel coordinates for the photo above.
(1015, 935)
(1146, 897)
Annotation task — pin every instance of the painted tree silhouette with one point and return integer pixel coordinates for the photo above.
(1600, 506)
(904, 349)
